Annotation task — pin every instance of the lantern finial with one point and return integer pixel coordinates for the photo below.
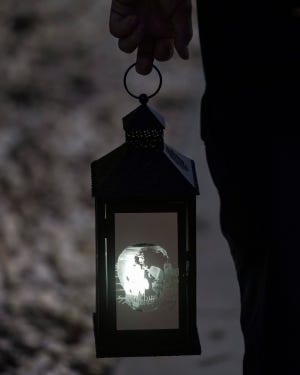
(143, 98)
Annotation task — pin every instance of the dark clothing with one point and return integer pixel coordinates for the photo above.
(259, 216)
(248, 118)
(250, 53)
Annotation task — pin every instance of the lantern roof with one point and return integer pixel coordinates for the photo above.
(127, 172)
(142, 118)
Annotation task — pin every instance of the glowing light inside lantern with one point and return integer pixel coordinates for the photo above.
(144, 275)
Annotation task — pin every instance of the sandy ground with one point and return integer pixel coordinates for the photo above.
(61, 103)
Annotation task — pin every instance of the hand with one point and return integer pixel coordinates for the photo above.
(155, 27)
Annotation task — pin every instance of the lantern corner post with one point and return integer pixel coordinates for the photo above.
(97, 296)
(101, 272)
(193, 243)
(95, 325)
(191, 220)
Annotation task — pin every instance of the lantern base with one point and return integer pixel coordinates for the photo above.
(145, 343)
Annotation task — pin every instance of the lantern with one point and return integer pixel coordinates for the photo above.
(145, 200)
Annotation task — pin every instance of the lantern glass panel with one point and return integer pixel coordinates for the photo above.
(146, 270)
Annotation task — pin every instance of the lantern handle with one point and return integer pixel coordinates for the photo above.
(143, 98)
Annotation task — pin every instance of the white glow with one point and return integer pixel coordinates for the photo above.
(135, 282)
(145, 275)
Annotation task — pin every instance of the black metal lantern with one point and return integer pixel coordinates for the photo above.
(145, 197)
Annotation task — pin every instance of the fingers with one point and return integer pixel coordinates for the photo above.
(157, 41)
(183, 28)
(130, 43)
(164, 49)
(123, 17)
(145, 56)
(121, 26)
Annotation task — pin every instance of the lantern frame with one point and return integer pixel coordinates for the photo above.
(111, 342)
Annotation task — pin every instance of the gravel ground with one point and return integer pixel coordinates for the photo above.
(61, 102)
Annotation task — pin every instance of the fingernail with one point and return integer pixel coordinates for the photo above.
(143, 68)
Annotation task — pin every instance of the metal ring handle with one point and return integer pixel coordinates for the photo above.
(143, 97)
